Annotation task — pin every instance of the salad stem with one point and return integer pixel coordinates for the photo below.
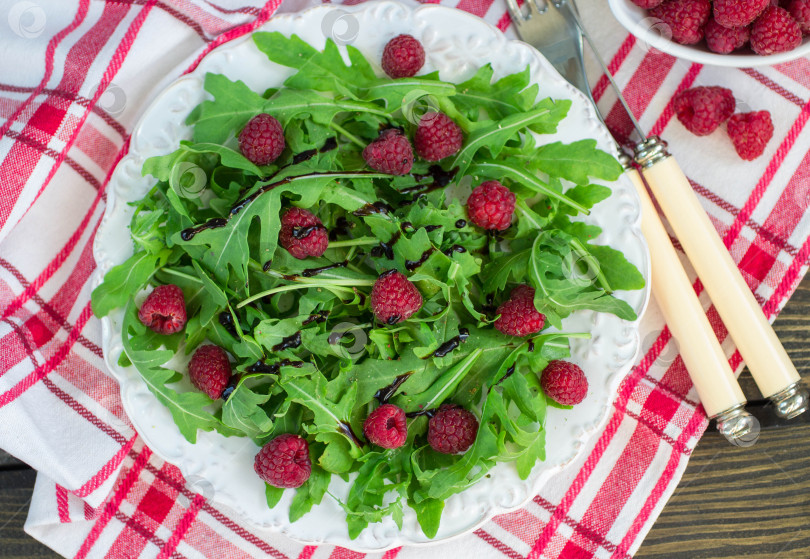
(354, 242)
(348, 135)
(181, 275)
(282, 288)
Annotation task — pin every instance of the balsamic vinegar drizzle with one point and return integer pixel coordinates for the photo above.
(346, 429)
(303, 232)
(290, 342)
(342, 226)
(461, 223)
(230, 387)
(263, 368)
(452, 343)
(454, 248)
(411, 265)
(386, 249)
(312, 272)
(508, 374)
(226, 319)
(318, 316)
(378, 207)
(386, 393)
(188, 234)
(430, 413)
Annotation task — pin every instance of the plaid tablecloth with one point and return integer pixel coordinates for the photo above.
(74, 77)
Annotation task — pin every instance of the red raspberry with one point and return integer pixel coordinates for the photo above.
(800, 10)
(164, 310)
(390, 153)
(734, 13)
(685, 18)
(519, 317)
(302, 234)
(491, 206)
(702, 109)
(386, 426)
(262, 139)
(394, 298)
(437, 137)
(402, 57)
(775, 31)
(750, 133)
(564, 382)
(725, 39)
(284, 462)
(452, 430)
(647, 4)
(210, 370)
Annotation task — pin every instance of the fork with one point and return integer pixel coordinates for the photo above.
(556, 33)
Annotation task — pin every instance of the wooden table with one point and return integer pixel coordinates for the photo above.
(732, 502)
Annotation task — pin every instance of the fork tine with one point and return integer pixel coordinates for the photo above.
(514, 12)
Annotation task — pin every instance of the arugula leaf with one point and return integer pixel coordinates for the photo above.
(125, 279)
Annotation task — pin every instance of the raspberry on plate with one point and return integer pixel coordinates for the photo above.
(394, 298)
(750, 133)
(403, 56)
(262, 139)
(390, 153)
(164, 310)
(284, 462)
(733, 13)
(775, 31)
(437, 137)
(724, 40)
(210, 370)
(302, 234)
(564, 382)
(800, 10)
(685, 18)
(491, 206)
(386, 426)
(647, 4)
(702, 109)
(519, 317)
(452, 430)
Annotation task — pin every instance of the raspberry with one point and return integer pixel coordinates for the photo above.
(564, 382)
(210, 370)
(386, 426)
(725, 39)
(800, 10)
(733, 13)
(702, 109)
(685, 18)
(394, 298)
(390, 153)
(284, 462)
(750, 133)
(402, 57)
(262, 139)
(164, 310)
(519, 317)
(302, 234)
(775, 31)
(491, 206)
(647, 4)
(437, 137)
(452, 430)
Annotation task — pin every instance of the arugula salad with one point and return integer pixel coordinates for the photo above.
(305, 350)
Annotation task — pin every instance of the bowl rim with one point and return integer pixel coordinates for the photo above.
(625, 11)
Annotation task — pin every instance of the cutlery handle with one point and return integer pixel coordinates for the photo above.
(758, 344)
(685, 317)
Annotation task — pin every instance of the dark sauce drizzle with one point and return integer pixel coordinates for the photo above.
(508, 374)
(461, 224)
(318, 316)
(411, 265)
(386, 393)
(430, 413)
(226, 319)
(267, 265)
(371, 209)
(263, 368)
(455, 248)
(452, 343)
(342, 226)
(304, 232)
(230, 387)
(290, 342)
(346, 429)
(530, 348)
(386, 249)
(311, 272)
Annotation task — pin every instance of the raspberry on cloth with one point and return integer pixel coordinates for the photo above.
(75, 81)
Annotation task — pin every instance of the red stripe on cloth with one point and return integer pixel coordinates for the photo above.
(475, 7)
(307, 552)
(698, 420)
(791, 276)
(769, 83)
(78, 19)
(182, 527)
(268, 10)
(89, 512)
(613, 66)
(601, 445)
(62, 504)
(343, 553)
(109, 468)
(583, 530)
(112, 505)
(668, 112)
(497, 544)
(84, 412)
(504, 22)
(773, 166)
(391, 553)
(38, 373)
(250, 10)
(242, 533)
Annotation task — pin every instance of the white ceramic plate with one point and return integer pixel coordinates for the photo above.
(456, 44)
(648, 29)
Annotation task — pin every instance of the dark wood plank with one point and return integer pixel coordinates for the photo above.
(732, 502)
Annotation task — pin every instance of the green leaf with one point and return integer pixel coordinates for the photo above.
(273, 495)
(429, 515)
(576, 162)
(309, 494)
(122, 282)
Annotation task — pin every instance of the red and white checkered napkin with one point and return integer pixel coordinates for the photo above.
(75, 77)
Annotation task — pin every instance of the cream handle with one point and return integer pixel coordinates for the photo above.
(768, 361)
(685, 317)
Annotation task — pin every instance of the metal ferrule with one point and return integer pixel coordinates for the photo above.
(739, 427)
(625, 159)
(653, 150)
(790, 402)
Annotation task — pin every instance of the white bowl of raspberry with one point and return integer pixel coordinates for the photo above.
(720, 32)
